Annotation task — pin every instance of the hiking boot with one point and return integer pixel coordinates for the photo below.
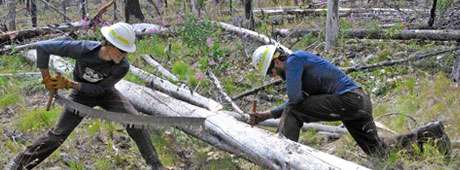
(433, 131)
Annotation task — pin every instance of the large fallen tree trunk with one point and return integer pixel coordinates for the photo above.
(224, 131)
(435, 35)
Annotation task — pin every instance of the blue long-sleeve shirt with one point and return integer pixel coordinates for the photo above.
(96, 76)
(309, 74)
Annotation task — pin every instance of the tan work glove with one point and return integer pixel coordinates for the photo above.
(256, 118)
(62, 82)
(50, 83)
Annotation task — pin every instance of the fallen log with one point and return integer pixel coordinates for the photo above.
(323, 11)
(143, 29)
(414, 57)
(225, 132)
(182, 93)
(252, 34)
(434, 35)
(309, 126)
(159, 68)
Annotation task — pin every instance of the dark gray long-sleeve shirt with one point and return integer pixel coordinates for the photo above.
(96, 76)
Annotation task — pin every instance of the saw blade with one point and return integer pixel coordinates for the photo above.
(133, 121)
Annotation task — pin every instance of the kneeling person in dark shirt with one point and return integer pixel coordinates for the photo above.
(99, 66)
(319, 91)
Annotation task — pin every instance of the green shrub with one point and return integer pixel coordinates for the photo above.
(38, 119)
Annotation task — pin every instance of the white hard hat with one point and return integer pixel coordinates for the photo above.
(262, 58)
(121, 35)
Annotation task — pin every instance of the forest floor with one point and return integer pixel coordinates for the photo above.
(404, 97)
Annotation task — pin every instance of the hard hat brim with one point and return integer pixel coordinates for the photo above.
(105, 33)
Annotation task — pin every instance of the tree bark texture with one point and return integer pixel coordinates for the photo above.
(248, 13)
(332, 23)
(224, 131)
(83, 9)
(33, 12)
(11, 5)
(455, 75)
(133, 8)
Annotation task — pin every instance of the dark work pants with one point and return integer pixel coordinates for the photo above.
(353, 108)
(114, 101)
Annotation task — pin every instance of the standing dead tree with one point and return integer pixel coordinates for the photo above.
(32, 8)
(332, 23)
(249, 14)
(83, 9)
(57, 10)
(133, 8)
(11, 18)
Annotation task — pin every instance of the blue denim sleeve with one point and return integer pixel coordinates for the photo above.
(64, 48)
(294, 71)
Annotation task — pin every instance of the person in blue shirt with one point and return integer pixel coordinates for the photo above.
(319, 91)
(98, 67)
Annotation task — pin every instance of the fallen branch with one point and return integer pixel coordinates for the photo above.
(256, 89)
(25, 74)
(227, 133)
(216, 82)
(414, 57)
(159, 68)
(182, 93)
(434, 35)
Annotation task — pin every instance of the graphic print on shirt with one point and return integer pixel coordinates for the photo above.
(92, 76)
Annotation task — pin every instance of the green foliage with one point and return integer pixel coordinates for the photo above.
(166, 154)
(133, 78)
(76, 165)
(225, 163)
(103, 164)
(443, 5)
(38, 119)
(393, 30)
(94, 127)
(373, 26)
(184, 72)
(194, 32)
(10, 98)
(345, 24)
(310, 137)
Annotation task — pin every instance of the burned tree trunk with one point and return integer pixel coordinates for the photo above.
(11, 19)
(332, 23)
(83, 9)
(249, 14)
(432, 14)
(133, 8)
(33, 12)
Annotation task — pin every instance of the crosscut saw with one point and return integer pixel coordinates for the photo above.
(130, 120)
